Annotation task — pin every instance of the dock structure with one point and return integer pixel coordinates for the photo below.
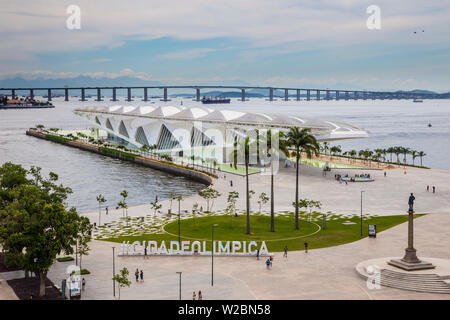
(326, 94)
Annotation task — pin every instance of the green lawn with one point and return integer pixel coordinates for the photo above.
(233, 228)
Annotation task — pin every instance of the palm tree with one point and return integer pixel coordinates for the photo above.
(414, 155)
(302, 141)
(246, 146)
(397, 151)
(271, 152)
(421, 154)
(325, 147)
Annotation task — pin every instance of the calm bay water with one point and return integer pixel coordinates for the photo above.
(391, 123)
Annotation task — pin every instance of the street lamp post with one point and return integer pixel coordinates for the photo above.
(114, 273)
(179, 229)
(179, 272)
(212, 253)
(361, 212)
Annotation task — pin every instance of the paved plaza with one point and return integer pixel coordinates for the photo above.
(327, 273)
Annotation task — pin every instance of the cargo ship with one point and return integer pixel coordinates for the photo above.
(214, 100)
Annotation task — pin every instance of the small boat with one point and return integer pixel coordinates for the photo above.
(429, 125)
(417, 100)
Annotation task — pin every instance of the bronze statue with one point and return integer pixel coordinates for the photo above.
(411, 202)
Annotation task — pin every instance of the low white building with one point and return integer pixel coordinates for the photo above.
(205, 132)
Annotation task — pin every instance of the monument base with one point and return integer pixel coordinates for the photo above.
(411, 266)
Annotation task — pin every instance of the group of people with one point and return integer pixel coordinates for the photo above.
(199, 297)
(139, 275)
(433, 188)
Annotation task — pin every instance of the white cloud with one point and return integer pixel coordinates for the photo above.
(45, 74)
(188, 54)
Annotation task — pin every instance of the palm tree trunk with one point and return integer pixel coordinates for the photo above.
(248, 199)
(296, 191)
(272, 214)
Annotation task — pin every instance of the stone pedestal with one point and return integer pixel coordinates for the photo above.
(410, 261)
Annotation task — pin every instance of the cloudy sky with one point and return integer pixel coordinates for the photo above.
(320, 43)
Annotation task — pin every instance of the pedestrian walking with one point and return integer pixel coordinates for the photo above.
(83, 284)
(428, 188)
(142, 275)
(106, 210)
(434, 189)
(145, 253)
(285, 251)
(306, 247)
(136, 274)
(268, 264)
(231, 183)
(200, 297)
(385, 174)
(193, 295)
(257, 254)
(201, 208)
(271, 260)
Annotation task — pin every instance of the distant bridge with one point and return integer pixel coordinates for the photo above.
(310, 94)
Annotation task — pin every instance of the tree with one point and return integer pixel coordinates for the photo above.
(179, 198)
(421, 154)
(122, 279)
(231, 200)
(302, 141)
(84, 237)
(100, 200)
(35, 223)
(155, 205)
(263, 199)
(414, 155)
(209, 194)
(123, 204)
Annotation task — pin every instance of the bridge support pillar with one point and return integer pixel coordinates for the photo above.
(83, 95)
(13, 93)
(129, 94)
(271, 94)
(364, 95)
(145, 95)
(328, 95)
(308, 95)
(355, 95)
(114, 95)
(337, 95)
(66, 94)
(197, 94)
(49, 95)
(242, 94)
(31, 94)
(286, 95)
(298, 95)
(317, 95)
(165, 96)
(99, 94)
(346, 95)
